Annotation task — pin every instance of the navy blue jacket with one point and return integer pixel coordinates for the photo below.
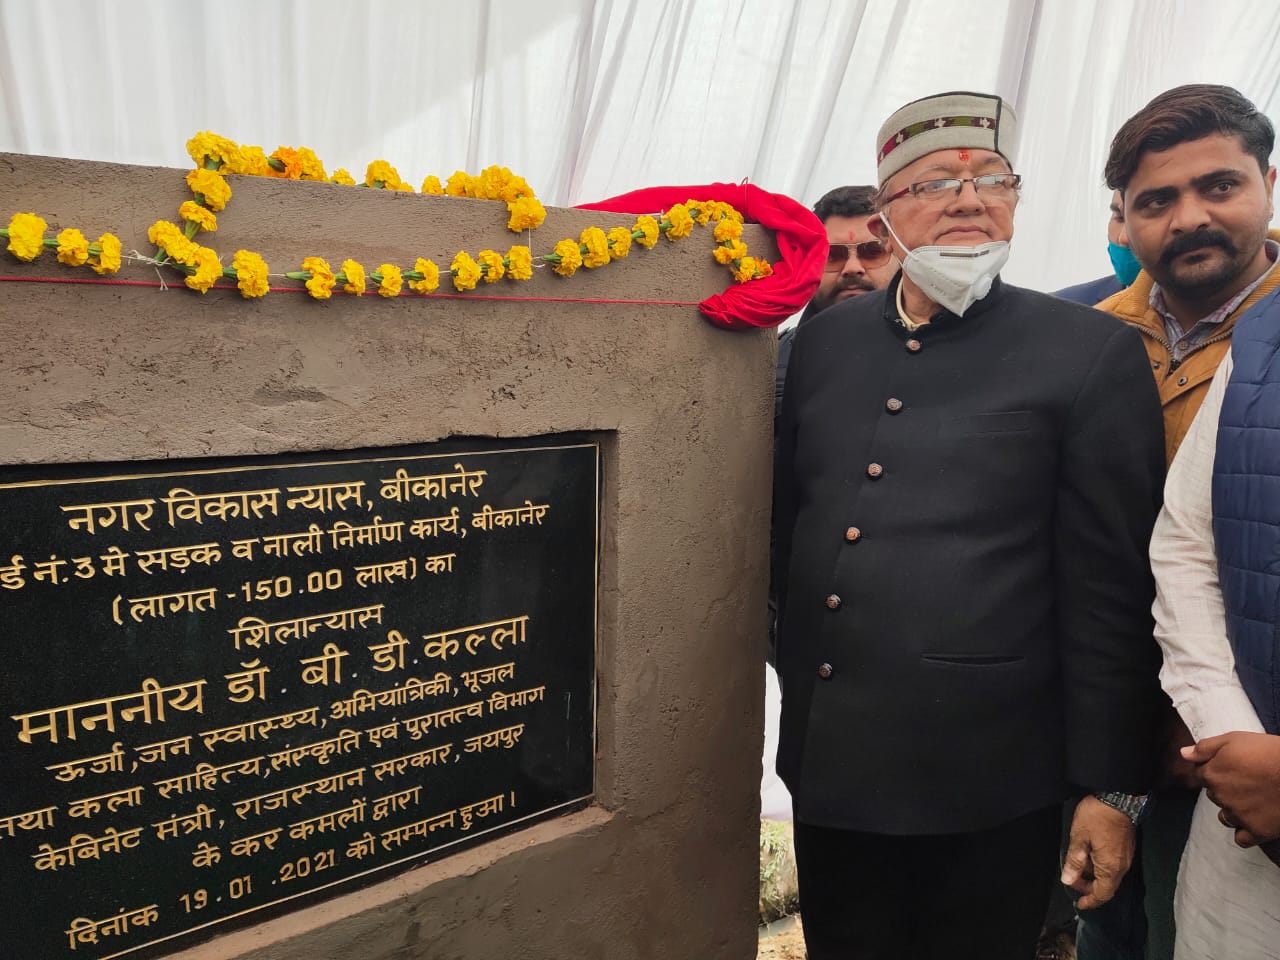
(1246, 506)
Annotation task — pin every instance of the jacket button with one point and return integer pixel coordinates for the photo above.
(853, 535)
(874, 471)
(825, 671)
(1182, 381)
(833, 602)
(893, 404)
(913, 345)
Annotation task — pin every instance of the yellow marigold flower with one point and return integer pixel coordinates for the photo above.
(728, 252)
(251, 274)
(309, 165)
(527, 213)
(355, 277)
(208, 268)
(212, 186)
(515, 188)
(701, 212)
(73, 248)
(209, 145)
(570, 258)
(381, 174)
(745, 270)
(108, 257)
(430, 276)
(170, 238)
(390, 280)
(491, 183)
(401, 186)
(458, 184)
(519, 263)
(432, 185)
(727, 229)
(343, 177)
(597, 247)
(494, 268)
(619, 242)
(647, 227)
(201, 217)
(26, 235)
(466, 272)
(322, 281)
(250, 161)
(681, 223)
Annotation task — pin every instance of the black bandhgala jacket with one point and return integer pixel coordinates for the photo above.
(962, 517)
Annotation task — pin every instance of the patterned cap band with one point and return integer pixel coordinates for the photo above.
(947, 121)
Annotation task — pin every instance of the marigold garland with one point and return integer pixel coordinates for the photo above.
(202, 266)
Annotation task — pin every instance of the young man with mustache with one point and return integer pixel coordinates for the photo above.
(1194, 167)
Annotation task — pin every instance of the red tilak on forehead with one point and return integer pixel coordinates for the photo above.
(964, 156)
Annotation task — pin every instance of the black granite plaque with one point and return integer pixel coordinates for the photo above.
(231, 687)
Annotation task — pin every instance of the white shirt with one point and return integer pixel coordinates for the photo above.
(1228, 899)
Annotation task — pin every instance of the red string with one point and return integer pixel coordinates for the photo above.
(102, 281)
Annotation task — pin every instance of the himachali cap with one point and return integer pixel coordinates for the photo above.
(945, 121)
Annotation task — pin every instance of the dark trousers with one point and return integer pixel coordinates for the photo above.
(963, 896)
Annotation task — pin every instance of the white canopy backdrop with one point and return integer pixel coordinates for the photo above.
(591, 98)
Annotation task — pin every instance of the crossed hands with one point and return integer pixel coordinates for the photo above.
(1240, 772)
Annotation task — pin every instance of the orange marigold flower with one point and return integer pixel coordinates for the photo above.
(763, 268)
(596, 246)
(648, 229)
(494, 268)
(570, 258)
(354, 276)
(389, 280)
(619, 242)
(519, 263)
(466, 272)
(73, 248)
(322, 281)
(291, 162)
(430, 276)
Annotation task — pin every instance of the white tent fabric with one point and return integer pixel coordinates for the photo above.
(590, 98)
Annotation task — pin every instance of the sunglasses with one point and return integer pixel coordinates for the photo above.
(870, 253)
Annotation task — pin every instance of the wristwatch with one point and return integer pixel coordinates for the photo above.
(1132, 805)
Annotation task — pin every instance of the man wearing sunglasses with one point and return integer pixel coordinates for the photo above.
(857, 262)
(966, 478)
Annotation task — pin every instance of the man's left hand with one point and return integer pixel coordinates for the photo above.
(1241, 774)
(1099, 852)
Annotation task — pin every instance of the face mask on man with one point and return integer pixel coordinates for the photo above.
(953, 277)
(1124, 263)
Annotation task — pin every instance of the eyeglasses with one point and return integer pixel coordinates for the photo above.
(998, 187)
(870, 253)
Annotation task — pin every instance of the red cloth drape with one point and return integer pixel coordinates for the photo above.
(802, 249)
